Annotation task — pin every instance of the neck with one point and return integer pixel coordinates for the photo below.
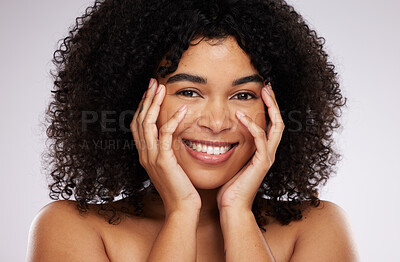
(209, 213)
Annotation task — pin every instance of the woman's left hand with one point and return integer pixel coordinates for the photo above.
(239, 192)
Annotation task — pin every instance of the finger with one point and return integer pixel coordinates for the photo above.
(140, 106)
(260, 138)
(134, 126)
(146, 104)
(268, 87)
(138, 110)
(142, 110)
(166, 131)
(253, 173)
(276, 125)
(149, 123)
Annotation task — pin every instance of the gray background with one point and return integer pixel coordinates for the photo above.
(363, 40)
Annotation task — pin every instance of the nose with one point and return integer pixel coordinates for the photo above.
(215, 116)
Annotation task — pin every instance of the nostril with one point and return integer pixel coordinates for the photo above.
(215, 121)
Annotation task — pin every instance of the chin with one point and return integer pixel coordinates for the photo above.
(204, 185)
(208, 179)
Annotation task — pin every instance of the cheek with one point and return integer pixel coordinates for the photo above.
(167, 110)
(260, 120)
(259, 115)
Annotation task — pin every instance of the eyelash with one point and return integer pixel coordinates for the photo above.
(252, 96)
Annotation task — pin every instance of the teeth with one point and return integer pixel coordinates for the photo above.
(216, 150)
(210, 150)
(223, 150)
(204, 149)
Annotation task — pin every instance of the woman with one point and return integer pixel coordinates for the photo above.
(236, 103)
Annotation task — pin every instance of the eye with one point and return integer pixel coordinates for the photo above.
(188, 93)
(244, 96)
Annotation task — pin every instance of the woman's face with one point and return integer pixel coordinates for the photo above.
(213, 81)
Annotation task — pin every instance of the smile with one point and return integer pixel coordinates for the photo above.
(209, 152)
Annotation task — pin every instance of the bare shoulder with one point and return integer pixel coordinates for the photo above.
(60, 233)
(327, 215)
(325, 234)
(325, 209)
(62, 211)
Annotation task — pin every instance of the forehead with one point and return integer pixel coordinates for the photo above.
(214, 60)
(215, 54)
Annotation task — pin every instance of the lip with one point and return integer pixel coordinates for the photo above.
(210, 159)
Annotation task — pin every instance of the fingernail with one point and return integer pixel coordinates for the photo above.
(151, 82)
(269, 85)
(159, 88)
(182, 108)
(240, 114)
(265, 89)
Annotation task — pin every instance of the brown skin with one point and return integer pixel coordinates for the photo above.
(60, 233)
(193, 190)
(211, 111)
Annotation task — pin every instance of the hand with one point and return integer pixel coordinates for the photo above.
(239, 192)
(156, 155)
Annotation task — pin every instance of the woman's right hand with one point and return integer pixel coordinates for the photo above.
(156, 154)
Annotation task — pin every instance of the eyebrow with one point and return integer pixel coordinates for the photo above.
(201, 80)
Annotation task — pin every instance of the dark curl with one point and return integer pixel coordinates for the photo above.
(104, 65)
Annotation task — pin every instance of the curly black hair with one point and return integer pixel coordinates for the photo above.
(105, 63)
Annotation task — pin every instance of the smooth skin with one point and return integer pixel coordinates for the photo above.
(204, 213)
